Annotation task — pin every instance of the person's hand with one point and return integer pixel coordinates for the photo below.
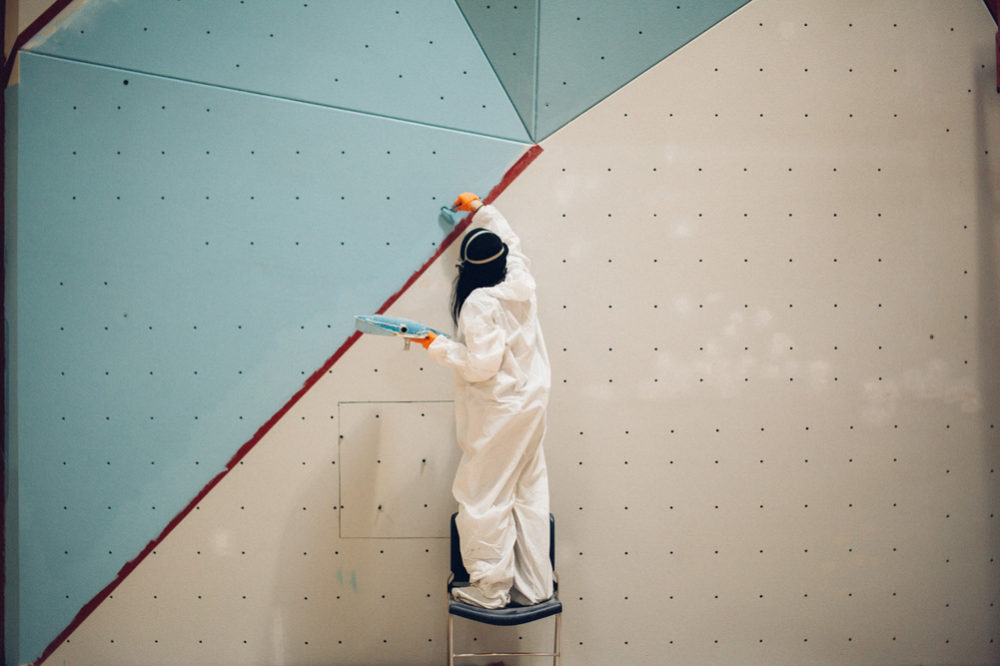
(467, 201)
(426, 342)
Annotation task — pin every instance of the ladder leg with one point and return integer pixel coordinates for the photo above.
(451, 640)
(556, 650)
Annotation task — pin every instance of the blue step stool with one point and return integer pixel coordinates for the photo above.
(511, 615)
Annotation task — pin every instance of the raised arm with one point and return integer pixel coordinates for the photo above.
(489, 217)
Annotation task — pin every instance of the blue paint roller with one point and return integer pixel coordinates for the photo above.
(451, 216)
(395, 326)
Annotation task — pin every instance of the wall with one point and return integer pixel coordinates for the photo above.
(200, 215)
(768, 281)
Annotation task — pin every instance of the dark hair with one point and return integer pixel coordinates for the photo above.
(484, 264)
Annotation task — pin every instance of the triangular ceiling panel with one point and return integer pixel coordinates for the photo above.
(581, 50)
(508, 33)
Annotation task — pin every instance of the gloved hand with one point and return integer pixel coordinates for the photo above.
(426, 342)
(465, 201)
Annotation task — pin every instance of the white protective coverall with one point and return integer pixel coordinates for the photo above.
(502, 380)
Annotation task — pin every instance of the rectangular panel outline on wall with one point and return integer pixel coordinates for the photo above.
(340, 464)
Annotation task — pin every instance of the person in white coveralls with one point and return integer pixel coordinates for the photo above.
(502, 380)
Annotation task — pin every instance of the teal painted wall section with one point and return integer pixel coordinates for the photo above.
(412, 60)
(187, 256)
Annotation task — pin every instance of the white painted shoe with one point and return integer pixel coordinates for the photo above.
(518, 598)
(474, 596)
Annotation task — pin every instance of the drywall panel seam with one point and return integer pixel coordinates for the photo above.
(292, 100)
(391, 402)
(538, 60)
(495, 72)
